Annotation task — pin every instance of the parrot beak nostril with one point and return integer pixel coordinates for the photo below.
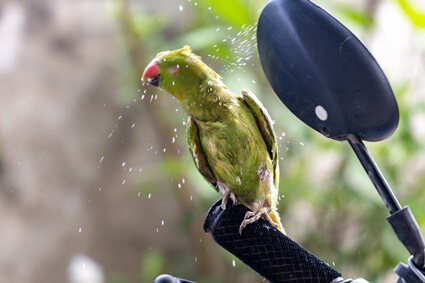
(152, 73)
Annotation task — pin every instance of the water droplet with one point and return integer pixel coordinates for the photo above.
(162, 222)
(180, 7)
(233, 263)
(101, 159)
(123, 164)
(113, 130)
(80, 230)
(149, 196)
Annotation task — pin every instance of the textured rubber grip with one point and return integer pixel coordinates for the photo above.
(266, 250)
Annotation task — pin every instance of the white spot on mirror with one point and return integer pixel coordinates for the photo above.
(321, 113)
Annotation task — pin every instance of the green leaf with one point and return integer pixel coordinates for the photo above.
(415, 16)
(235, 12)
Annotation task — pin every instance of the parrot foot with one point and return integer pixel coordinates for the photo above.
(252, 216)
(226, 195)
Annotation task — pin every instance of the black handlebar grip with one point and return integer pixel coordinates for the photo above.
(263, 248)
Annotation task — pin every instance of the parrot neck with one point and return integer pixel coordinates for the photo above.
(207, 102)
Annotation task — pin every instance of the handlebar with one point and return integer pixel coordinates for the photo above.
(266, 250)
(274, 255)
(263, 248)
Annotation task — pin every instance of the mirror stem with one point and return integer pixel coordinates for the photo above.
(401, 219)
(374, 174)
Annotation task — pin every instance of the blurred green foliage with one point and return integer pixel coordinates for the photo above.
(415, 16)
(336, 214)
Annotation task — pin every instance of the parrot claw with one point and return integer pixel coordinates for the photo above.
(224, 203)
(226, 195)
(233, 198)
(251, 217)
(249, 214)
(241, 228)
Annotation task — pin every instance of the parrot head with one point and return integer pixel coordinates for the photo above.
(179, 72)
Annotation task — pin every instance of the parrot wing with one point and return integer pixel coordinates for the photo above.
(197, 152)
(265, 125)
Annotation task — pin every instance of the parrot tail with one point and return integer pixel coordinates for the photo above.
(276, 219)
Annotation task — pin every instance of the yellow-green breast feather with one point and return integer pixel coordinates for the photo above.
(236, 145)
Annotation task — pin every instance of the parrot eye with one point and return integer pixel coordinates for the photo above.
(174, 70)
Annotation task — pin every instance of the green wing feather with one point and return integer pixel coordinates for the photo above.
(265, 125)
(198, 154)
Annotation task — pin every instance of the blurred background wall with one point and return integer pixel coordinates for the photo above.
(96, 184)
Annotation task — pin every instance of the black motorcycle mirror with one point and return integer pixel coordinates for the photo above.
(328, 79)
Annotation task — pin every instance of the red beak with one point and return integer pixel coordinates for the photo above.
(152, 73)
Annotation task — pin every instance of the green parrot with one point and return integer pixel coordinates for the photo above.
(230, 137)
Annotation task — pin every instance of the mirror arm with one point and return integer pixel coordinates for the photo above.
(401, 219)
(375, 175)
